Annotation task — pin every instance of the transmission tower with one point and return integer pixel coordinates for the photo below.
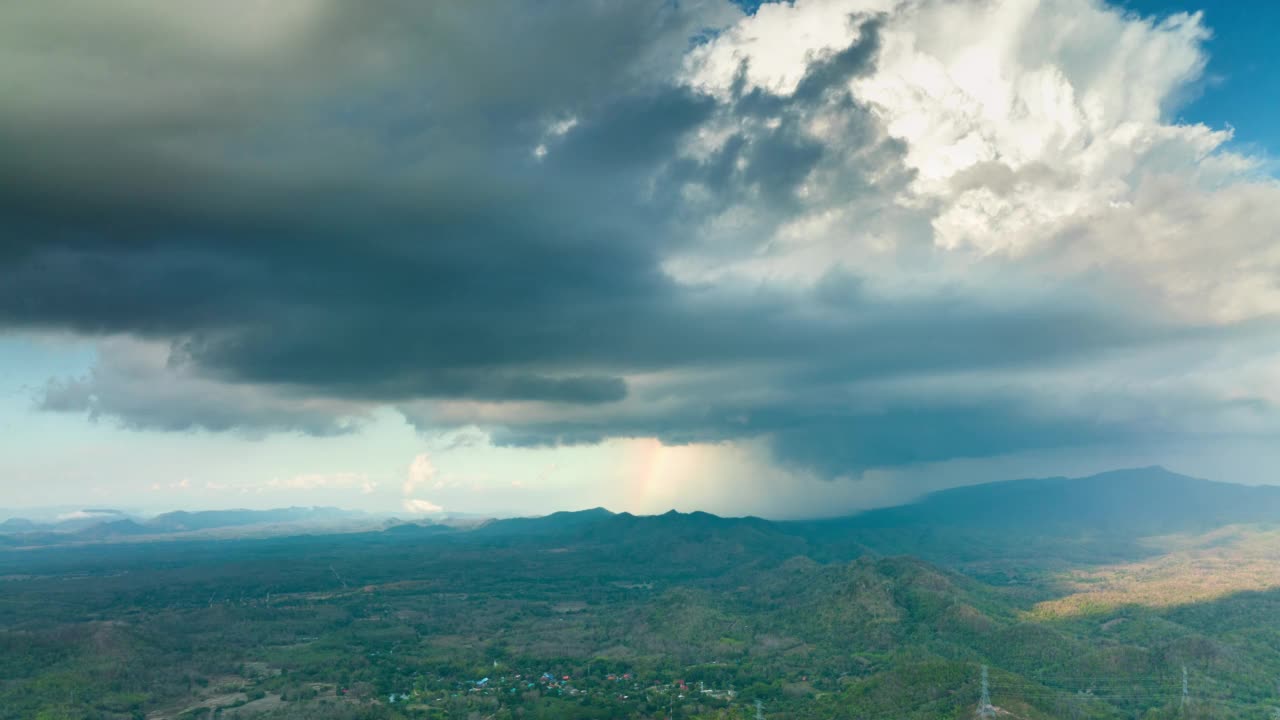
(759, 710)
(1185, 693)
(985, 709)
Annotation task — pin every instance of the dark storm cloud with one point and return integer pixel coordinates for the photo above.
(471, 267)
(131, 385)
(900, 436)
(838, 396)
(474, 202)
(140, 408)
(834, 441)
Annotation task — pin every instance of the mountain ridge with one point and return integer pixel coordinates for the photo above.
(1147, 500)
(1128, 502)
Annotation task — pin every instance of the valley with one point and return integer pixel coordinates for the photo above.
(891, 614)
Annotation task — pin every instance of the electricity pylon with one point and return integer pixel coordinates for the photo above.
(985, 709)
(1185, 693)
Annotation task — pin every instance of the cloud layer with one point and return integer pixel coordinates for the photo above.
(868, 233)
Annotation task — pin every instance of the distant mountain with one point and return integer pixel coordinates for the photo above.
(694, 526)
(111, 530)
(17, 524)
(1005, 528)
(86, 518)
(552, 524)
(1127, 503)
(674, 543)
(1142, 501)
(113, 525)
(1101, 516)
(599, 525)
(68, 523)
(182, 521)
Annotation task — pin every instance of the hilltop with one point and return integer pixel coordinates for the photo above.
(1110, 509)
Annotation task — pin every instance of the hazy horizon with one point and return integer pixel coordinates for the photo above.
(48, 513)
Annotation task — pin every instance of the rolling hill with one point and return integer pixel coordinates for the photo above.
(1085, 598)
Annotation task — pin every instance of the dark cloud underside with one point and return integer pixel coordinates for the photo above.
(475, 202)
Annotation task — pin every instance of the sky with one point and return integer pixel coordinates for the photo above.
(782, 259)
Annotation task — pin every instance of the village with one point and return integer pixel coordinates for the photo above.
(511, 688)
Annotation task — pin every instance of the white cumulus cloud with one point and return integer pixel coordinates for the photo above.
(421, 507)
(421, 473)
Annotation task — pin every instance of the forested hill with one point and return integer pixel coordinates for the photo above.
(1143, 501)
(1003, 530)
(1057, 586)
(1119, 504)
(1100, 518)
(1114, 506)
